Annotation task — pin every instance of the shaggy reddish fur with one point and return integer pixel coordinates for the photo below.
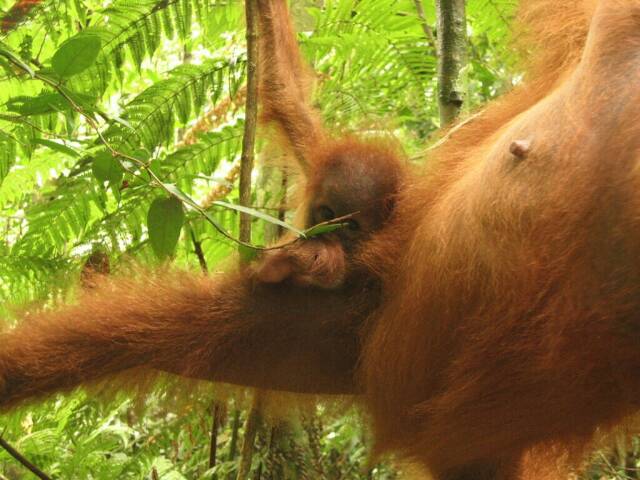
(312, 263)
(286, 84)
(497, 327)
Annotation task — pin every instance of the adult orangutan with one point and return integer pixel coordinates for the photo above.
(493, 325)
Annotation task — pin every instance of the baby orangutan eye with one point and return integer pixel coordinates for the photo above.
(324, 214)
(353, 225)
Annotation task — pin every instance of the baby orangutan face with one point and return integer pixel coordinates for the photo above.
(354, 181)
(357, 181)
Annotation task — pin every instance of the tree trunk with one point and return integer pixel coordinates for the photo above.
(452, 52)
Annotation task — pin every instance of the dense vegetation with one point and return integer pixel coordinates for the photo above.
(161, 82)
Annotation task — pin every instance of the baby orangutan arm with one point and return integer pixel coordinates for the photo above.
(286, 83)
(232, 329)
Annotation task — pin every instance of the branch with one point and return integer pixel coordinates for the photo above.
(251, 117)
(251, 427)
(246, 168)
(428, 32)
(20, 458)
(248, 143)
(197, 248)
(218, 412)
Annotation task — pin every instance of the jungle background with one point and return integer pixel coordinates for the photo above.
(163, 82)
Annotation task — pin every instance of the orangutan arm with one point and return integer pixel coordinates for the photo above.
(285, 82)
(231, 329)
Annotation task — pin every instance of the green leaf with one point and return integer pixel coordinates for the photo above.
(107, 169)
(260, 215)
(164, 221)
(323, 228)
(58, 147)
(247, 254)
(187, 200)
(48, 102)
(175, 191)
(76, 55)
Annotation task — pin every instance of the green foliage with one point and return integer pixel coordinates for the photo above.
(76, 55)
(164, 221)
(106, 168)
(104, 110)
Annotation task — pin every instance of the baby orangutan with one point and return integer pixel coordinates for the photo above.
(344, 178)
(354, 186)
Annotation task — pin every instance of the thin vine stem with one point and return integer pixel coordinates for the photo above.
(23, 460)
(154, 179)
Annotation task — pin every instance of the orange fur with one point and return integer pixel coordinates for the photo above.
(217, 328)
(17, 13)
(496, 328)
(344, 177)
(311, 263)
(516, 295)
(285, 83)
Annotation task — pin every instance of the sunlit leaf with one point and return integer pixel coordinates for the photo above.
(164, 221)
(76, 55)
(324, 228)
(106, 168)
(58, 147)
(261, 215)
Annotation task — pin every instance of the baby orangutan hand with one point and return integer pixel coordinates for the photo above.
(314, 262)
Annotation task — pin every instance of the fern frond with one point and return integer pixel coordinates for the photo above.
(204, 156)
(152, 116)
(8, 151)
(136, 29)
(376, 50)
(24, 278)
(58, 220)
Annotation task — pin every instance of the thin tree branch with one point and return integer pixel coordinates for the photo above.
(251, 427)
(450, 133)
(218, 413)
(428, 32)
(235, 427)
(248, 142)
(282, 209)
(20, 458)
(197, 248)
(155, 180)
(251, 117)
(246, 169)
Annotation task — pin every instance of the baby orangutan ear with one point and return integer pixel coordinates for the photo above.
(317, 263)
